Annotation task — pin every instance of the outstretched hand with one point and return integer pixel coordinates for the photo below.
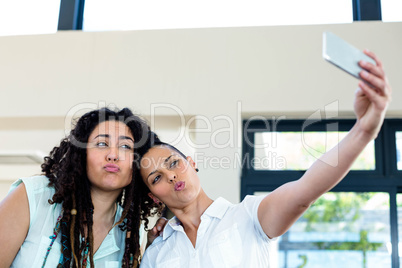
(372, 99)
(373, 96)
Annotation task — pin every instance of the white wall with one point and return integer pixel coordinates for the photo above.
(232, 73)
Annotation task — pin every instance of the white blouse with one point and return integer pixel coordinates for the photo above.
(229, 236)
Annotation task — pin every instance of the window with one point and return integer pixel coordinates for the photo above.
(133, 15)
(391, 10)
(398, 139)
(344, 227)
(298, 150)
(42, 16)
(355, 224)
(399, 204)
(19, 17)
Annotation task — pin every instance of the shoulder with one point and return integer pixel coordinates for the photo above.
(250, 204)
(245, 215)
(151, 253)
(34, 183)
(156, 244)
(37, 192)
(223, 209)
(252, 200)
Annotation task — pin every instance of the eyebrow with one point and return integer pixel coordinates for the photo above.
(165, 161)
(120, 137)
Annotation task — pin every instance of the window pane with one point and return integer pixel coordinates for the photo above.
(398, 138)
(18, 17)
(399, 204)
(298, 150)
(162, 14)
(391, 10)
(347, 229)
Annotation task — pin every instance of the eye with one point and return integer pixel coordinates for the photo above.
(156, 179)
(174, 163)
(101, 144)
(126, 146)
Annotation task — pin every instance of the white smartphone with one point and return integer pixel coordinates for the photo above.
(342, 54)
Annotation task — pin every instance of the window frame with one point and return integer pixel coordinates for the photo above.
(385, 178)
(71, 14)
(367, 10)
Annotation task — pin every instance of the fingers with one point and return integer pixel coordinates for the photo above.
(366, 91)
(376, 69)
(159, 226)
(359, 92)
(374, 57)
(373, 76)
(373, 82)
(154, 231)
(373, 69)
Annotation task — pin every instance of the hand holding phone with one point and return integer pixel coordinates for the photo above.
(342, 54)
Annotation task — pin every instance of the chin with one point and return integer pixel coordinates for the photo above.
(114, 186)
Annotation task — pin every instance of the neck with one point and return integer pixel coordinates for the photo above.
(104, 207)
(190, 216)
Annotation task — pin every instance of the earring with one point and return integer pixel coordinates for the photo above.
(196, 170)
(123, 196)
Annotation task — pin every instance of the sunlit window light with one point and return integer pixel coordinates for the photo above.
(101, 15)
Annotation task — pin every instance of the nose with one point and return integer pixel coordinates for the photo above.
(113, 155)
(171, 176)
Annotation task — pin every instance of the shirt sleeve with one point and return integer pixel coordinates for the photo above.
(252, 203)
(145, 262)
(35, 187)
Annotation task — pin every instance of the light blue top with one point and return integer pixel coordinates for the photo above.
(43, 217)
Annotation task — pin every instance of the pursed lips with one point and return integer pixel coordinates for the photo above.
(112, 168)
(179, 186)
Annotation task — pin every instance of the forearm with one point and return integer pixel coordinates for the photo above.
(333, 166)
(321, 177)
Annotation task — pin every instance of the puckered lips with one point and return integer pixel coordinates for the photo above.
(112, 168)
(179, 186)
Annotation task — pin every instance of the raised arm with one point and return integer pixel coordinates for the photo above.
(280, 209)
(14, 224)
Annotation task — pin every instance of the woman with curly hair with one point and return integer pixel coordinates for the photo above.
(80, 212)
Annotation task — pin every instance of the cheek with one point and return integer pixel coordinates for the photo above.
(93, 157)
(128, 165)
(90, 171)
(160, 191)
(94, 162)
(184, 167)
(90, 162)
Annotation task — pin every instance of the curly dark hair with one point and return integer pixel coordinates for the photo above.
(143, 202)
(66, 169)
(147, 206)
